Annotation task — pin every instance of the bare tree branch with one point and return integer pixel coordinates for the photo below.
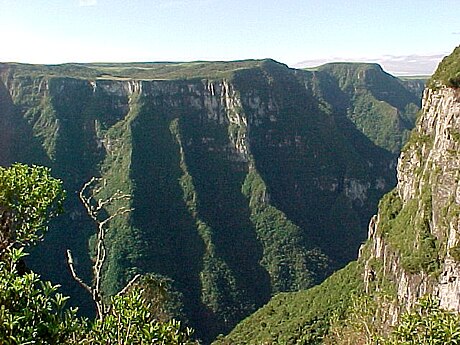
(74, 273)
(130, 283)
(94, 205)
(116, 197)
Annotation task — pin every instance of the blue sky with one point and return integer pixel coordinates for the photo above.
(295, 32)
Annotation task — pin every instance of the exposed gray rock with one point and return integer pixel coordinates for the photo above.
(430, 163)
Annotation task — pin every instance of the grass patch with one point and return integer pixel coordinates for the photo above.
(407, 228)
(448, 72)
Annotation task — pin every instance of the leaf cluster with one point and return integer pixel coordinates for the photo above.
(29, 198)
(428, 324)
(130, 321)
(31, 310)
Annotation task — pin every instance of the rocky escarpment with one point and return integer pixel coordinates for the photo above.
(245, 182)
(413, 245)
(414, 240)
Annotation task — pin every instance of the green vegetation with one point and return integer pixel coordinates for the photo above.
(302, 317)
(427, 324)
(407, 229)
(131, 322)
(32, 311)
(415, 84)
(362, 322)
(219, 284)
(28, 197)
(290, 265)
(129, 71)
(385, 131)
(448, 71)
(124, 248)
(455, 253)
(382, 107)
(247, 178)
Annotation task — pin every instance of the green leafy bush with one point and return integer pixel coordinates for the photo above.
(29, 197)
(130, 321)
(32, 311)
(428, 324)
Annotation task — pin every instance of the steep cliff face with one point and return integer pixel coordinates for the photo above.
(414, 239)
(246, 180)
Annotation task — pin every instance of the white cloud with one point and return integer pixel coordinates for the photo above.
(86, 3)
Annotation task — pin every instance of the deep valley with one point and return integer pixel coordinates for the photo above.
(247, 178)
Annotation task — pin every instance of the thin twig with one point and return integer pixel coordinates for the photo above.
(130, 283)
(74, 273)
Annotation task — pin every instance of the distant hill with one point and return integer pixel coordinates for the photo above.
(398, 65)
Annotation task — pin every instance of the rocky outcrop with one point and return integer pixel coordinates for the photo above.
(414, 240)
